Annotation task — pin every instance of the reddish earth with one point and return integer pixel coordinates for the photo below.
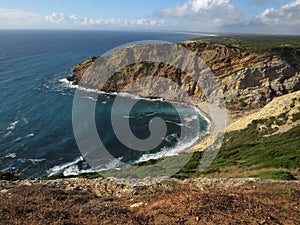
(170, 202)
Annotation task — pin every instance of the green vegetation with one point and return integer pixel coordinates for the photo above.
(238, 104)
(288, 47)
(149, 162)
(8, 176)
(277, 175)
(296, 117)
(242, 102)
(249, 150)
(190, 168)
(255, 132)
(259, 43)
(91, 175)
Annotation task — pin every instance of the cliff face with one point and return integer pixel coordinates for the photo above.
(80, 69)
(258, 85)
(248, 79)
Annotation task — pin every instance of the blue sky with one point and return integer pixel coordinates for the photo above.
(238, 16)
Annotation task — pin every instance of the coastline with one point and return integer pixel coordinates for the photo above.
(241, 89)
(198, 107)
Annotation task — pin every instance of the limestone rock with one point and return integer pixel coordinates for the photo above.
(248, 79)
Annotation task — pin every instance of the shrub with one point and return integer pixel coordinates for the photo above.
(277, 175)
(8, 176)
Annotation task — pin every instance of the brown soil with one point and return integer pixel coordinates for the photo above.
(169, 202)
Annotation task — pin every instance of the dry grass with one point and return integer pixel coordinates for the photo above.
(261, 203)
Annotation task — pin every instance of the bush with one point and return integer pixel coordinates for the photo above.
(277, 175)
(8, 176)
(91, 175)
(296, 117)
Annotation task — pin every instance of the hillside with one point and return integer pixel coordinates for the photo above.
(249, 78)
(286, 107)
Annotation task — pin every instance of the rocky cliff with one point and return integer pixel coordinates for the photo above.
(249, 79)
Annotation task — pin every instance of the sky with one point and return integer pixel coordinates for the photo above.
(214, 16)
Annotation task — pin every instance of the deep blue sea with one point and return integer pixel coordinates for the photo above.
(36, 135)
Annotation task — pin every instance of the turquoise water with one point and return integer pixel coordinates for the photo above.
(36, 135)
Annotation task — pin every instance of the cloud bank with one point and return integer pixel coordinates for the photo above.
(60, 18)
(10, 18)
(288, 14)
(191, 15)
(210, 12)
(223, 16)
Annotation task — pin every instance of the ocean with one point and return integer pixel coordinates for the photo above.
(36, 134)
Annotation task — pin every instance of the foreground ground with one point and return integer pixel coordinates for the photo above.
(193, 201)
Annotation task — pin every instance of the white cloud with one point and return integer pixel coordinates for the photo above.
(14, 18)
(223, 16)
(288, 14)
(60, 18)
(194, 15)
(211, 12)
(12, 14)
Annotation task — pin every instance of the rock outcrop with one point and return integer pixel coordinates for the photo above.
(248, 79)
(80, 69)
(258, 85)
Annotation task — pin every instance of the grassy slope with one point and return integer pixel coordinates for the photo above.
(249, 153)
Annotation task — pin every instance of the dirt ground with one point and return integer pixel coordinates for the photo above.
(170, 202)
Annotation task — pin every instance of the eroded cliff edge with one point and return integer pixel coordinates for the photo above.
(249, 78)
